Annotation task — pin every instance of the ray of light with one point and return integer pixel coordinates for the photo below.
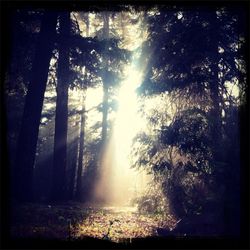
(127, 183)
(128, 122)
(118, 183)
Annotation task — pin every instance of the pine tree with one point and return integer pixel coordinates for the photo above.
(27, 141)
(61, 120)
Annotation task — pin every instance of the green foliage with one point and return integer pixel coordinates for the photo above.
(153, 203)
(188, 191)
(190, 132)
(191, 52)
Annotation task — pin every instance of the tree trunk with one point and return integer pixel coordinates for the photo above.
(216, 125)
(105, 25)
(82, 129)
(26, 147)
(105, 84)
(73, 164)
(98, 173)
(81, 148)
(61, 119)
(214, 90)
(104, 113)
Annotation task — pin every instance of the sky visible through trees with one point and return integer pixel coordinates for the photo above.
(125, 123)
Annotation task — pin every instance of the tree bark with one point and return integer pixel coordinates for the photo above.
(105, 83)
(82, 129)
(214, 91)
(104, 113)
(73, 164)
(81, 149)
(61, 119)
(216, 124)
(26, 146)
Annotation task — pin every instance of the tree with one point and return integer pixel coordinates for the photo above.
(73, 141)
(105, 80)
(61, 120)
(83, 84)
(81, 148)
(27, 141)
(180, 68)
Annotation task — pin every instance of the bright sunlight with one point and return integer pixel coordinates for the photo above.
(116, 175)
(119, 130)
(128, 123)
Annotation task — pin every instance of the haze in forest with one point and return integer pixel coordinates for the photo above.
(132, 113)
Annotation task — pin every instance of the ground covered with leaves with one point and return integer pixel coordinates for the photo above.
(76, 221)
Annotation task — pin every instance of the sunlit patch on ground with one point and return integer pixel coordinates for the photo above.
(118, 223)
(76, 221)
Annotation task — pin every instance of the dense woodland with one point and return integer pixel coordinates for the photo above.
(192, 97)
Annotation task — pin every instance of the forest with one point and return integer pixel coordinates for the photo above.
(124, 124)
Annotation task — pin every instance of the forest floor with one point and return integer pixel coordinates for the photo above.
(75, 221)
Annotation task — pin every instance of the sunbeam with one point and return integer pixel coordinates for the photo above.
(128, 123)
(122, 122)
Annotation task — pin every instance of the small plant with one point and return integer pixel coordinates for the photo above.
(106, 236)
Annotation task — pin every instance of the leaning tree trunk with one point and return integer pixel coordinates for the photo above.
(61, 120)
(26, 147)
(81, 149)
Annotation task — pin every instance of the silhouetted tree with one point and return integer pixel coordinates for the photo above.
(193, 53)
(105, 80)
(61, 120)
(81, 149)
(27, 141)
(72, 157)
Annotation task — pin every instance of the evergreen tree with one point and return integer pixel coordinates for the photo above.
(193, 53)
(61, 120)
(27, 141)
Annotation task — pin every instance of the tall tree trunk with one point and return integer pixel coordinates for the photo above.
(26, 147)
(214, 88)
(98, 173)
(105, 83)
(216, 125)
(61, 119)
(215, 94)
(73, 164)
(81, 148)
(104, 113)
(82, 129)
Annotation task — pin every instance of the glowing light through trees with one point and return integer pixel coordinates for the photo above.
(128, 122)
(125, 183)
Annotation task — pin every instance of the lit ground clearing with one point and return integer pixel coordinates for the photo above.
(117, 223)
(76, 221)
